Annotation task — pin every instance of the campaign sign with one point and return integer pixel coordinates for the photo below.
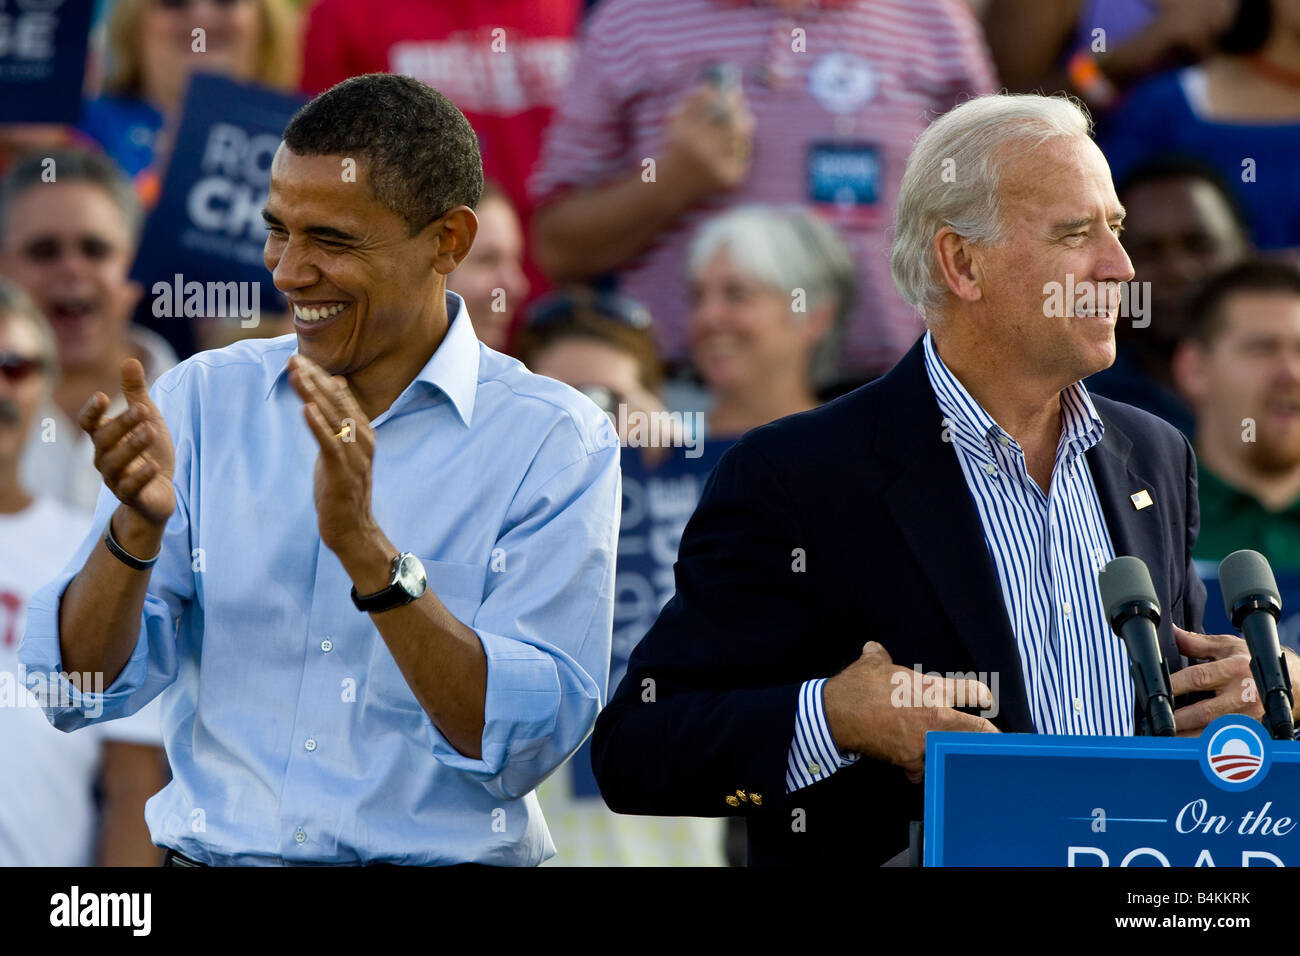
(1230, 797)
(42, 59)
(207, 227)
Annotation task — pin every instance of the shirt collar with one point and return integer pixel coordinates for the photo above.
(452, 369)
(1081, 426)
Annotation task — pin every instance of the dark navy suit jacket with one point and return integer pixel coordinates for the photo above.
(866, 496)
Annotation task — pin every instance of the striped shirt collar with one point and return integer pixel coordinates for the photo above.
(974, 428)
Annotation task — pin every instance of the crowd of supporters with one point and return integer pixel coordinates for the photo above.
(688, 217)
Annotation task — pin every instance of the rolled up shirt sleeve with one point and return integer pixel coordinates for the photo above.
(153, 664)
(545, 624)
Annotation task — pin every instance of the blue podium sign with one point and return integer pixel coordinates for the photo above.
(1230, 797)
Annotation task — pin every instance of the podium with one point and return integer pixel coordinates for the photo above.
(1230, 797)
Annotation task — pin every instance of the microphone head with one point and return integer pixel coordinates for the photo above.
(1243, 574)
(1124, 581)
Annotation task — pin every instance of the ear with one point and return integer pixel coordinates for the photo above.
(817, 323)
(1188, 368)
(955, 255)
(453, 234)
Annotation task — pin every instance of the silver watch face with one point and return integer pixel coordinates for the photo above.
(410, 575)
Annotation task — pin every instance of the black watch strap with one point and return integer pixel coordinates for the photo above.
(383, 600)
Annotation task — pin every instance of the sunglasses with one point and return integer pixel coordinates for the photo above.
(560, 307)
(16, 368)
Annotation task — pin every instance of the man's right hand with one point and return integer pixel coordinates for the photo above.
(709, 138)
(133, 451)
(883, 711)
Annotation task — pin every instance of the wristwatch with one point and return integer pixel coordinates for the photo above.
(408, 583)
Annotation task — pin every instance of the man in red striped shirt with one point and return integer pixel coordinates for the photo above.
(681, 108)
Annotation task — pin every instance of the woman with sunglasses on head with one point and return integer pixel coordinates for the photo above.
(602, 345)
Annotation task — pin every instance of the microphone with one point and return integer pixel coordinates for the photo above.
(1133, 611)
(1251, 599)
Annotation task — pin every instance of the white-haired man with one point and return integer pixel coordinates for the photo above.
(952, 515)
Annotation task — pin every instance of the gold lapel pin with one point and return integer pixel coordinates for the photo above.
(1141, 500)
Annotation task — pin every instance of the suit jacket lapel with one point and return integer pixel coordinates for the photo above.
(932, 506)
(1133, 531)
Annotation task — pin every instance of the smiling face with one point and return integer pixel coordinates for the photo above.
(69, 246)
(1250, 371)
(366, 294)
(231, 33)
(743, 332)
(1062, 220)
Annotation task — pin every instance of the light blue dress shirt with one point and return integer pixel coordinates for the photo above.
(292, 735)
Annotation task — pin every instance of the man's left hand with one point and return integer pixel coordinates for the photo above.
(1225, 673)
(347, 451)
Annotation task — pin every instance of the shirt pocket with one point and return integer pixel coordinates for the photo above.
(460, 588)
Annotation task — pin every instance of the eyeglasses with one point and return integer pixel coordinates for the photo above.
(16, 368)
(560, 307)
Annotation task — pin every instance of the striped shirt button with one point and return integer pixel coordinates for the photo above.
(814, 768)
(991, 470)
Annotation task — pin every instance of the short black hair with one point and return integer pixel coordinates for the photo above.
(422, 154)
(70, 165)
(1174, 166)
(1249, 28)
(1205, 313)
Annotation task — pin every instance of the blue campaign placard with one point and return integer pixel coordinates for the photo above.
(1288, 587)
(1225, 798)
(43, 59)
(207, 226)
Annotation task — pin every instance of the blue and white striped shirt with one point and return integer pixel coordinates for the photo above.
(1047, 549)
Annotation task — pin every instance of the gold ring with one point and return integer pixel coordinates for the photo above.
(344, 432)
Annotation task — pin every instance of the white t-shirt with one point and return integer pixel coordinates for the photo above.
(47, 809)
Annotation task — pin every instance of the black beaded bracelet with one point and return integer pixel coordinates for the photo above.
(121, 553)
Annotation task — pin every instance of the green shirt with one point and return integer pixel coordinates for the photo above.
(1232, 519)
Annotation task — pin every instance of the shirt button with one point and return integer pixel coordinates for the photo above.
(310, 744)
(1065, 608)
(327, 645)
(300, 835)
(1078, 704)
(1005, 440)
(814, 768)
(991, 470)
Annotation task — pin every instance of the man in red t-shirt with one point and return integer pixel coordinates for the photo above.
(504, 63)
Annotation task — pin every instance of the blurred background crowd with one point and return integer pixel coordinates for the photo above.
(689, 209)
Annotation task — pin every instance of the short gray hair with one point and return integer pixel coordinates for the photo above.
(952, 179)
(786, 247)
(17, 304)
(71, 165)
